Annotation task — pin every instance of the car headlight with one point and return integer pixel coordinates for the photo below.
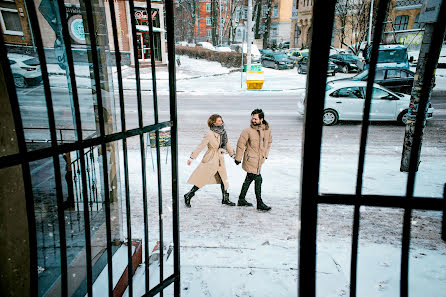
(353, 65)
(282, 63)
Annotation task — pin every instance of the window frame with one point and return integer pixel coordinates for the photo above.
(3, 24)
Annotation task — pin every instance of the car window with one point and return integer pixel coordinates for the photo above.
(379, 75)
(11, 62)
(32, 62)
(352, 92)
(381, 94)
(394, 73)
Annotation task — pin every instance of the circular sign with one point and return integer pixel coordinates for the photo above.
(76, 29)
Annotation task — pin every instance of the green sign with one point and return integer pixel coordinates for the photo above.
(254, 67)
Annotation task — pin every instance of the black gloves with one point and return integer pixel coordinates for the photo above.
(237, 162)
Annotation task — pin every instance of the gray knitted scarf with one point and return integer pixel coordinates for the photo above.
(220, 129)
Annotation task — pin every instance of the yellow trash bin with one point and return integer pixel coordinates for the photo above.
(254, 80)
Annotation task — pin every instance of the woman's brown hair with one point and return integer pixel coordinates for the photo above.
(213, 118)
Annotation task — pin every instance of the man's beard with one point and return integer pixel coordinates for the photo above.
(256, 124)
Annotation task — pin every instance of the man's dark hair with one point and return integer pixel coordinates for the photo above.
(261, 116)
(259, 112)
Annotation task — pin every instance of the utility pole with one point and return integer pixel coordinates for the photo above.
(248, 58)
(428, 15)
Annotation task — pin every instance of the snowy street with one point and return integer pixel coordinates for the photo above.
(235, 251)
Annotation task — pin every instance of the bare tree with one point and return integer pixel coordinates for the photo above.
(188, 10)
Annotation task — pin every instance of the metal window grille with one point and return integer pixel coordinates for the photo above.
(86, 150)
(401, 22)
(323, 16)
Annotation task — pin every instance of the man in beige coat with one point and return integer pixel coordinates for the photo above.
(253, 145)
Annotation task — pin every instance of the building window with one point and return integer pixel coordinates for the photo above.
(275, 12)
(417, 24)
(264, 11)
(10, 21)
(245, 13)
(401, 22)
(209, 33)
(273, 30)
(222, 20)
(208, 21)
(208, 7)
(237, 15)
(296, 34)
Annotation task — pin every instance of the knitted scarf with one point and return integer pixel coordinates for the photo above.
(220, 129)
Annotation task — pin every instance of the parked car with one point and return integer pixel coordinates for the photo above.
(297, 55)
(206, 45)
(181, 43)
(395, 79)
(302, 66)
(223, 48)
(391, 55)
(344, 100)
(277, 61)
(25, 69)
(347, 63)
(285, 44)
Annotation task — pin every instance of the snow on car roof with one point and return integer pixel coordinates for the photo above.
(19, 57)
(391, 46)
(349, 83)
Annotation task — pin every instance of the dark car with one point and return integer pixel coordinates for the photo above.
(302, 66)
(277, 61)
(347, 63)
(395, 79)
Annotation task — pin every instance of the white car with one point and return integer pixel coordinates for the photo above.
(345, 101)
(223, 48)
(25, 69)
(206, 45)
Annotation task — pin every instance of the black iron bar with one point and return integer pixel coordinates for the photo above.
(420, 203)
(323, 17)
(121, 100)
(174, 142)
(26, 173)
(381, 15)
(17, 159)
(431, 64)
(141, 137)
(155, 109)
(162, 285)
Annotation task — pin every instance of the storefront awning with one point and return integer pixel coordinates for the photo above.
(145, 28)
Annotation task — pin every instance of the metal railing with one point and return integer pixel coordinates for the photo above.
(323, 15)
(82, 146)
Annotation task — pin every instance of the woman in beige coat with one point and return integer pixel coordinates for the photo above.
(212, 168)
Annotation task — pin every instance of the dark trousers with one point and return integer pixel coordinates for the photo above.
(257, 178)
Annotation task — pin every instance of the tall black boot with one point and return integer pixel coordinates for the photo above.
(258, 190)
(241, 200)
(225, 195)
(188, 196)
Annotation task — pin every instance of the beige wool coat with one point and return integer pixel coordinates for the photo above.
(212, 166)
(254, 144)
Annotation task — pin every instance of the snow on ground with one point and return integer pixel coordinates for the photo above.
(235, 251)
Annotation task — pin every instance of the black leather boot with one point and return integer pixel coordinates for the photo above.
(225, 195)
(258, 190)
(241, 200)
(188, 196)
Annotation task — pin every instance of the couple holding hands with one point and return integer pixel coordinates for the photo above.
(253, 147)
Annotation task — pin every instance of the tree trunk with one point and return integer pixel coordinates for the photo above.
(267, 24)
(214, 21)
(258, 14)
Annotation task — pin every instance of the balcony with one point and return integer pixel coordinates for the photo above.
(408, 4)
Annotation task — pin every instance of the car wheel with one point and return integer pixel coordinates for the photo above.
(402, 117)
(333, 73)
(344, 69)
(276, 66)
(330, 117)
(19, 81)
(299, 69)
